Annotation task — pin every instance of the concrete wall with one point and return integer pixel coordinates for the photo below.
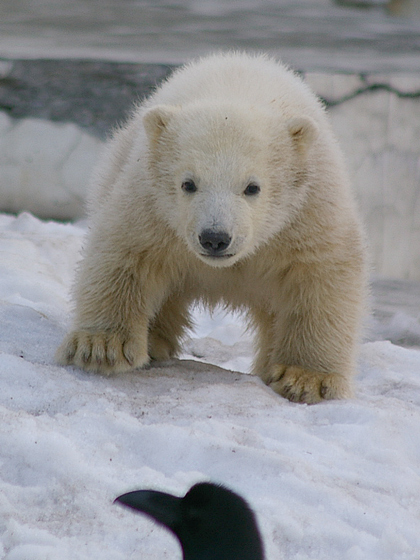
(45, 165)
(377, 120)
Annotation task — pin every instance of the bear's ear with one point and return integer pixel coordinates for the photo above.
(303, 131)
(155, 120)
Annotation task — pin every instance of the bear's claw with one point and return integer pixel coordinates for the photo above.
(100, 352)
(301, 385)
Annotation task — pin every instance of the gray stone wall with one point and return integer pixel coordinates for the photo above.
(377, 120)
(55, 115)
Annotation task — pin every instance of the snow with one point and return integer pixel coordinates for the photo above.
(336, 480)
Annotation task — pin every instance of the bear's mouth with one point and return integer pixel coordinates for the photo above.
(217, 257)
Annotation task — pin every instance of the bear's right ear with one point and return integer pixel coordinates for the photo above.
(155, 120)
(303, 131)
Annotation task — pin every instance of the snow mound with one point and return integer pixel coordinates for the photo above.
(336, 480)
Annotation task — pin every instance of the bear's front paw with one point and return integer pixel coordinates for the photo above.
(303, 385)
(101, 352)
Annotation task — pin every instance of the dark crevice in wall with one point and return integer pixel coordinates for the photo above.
(98, 95)
(370, 88)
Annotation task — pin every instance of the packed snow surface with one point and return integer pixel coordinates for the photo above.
(339, 479)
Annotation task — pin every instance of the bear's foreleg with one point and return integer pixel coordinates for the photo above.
(306, 351)
(116, 296)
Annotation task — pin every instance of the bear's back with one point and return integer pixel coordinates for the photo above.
(239, 77)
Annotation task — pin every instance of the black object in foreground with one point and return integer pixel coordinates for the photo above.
(210, 521)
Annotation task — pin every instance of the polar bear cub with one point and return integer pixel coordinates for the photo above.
(226, 186)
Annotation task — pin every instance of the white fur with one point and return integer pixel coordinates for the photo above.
(295, 259)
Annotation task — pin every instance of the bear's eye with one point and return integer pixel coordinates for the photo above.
(252, 189)
(189, 186)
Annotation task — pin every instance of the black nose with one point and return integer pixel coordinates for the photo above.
(214, 242)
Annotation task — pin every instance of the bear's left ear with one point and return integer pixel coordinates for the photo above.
(156, 119)
(303, 131)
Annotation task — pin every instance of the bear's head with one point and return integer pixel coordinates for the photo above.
(227, 177)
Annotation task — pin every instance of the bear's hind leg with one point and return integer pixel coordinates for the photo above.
(168, 328)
